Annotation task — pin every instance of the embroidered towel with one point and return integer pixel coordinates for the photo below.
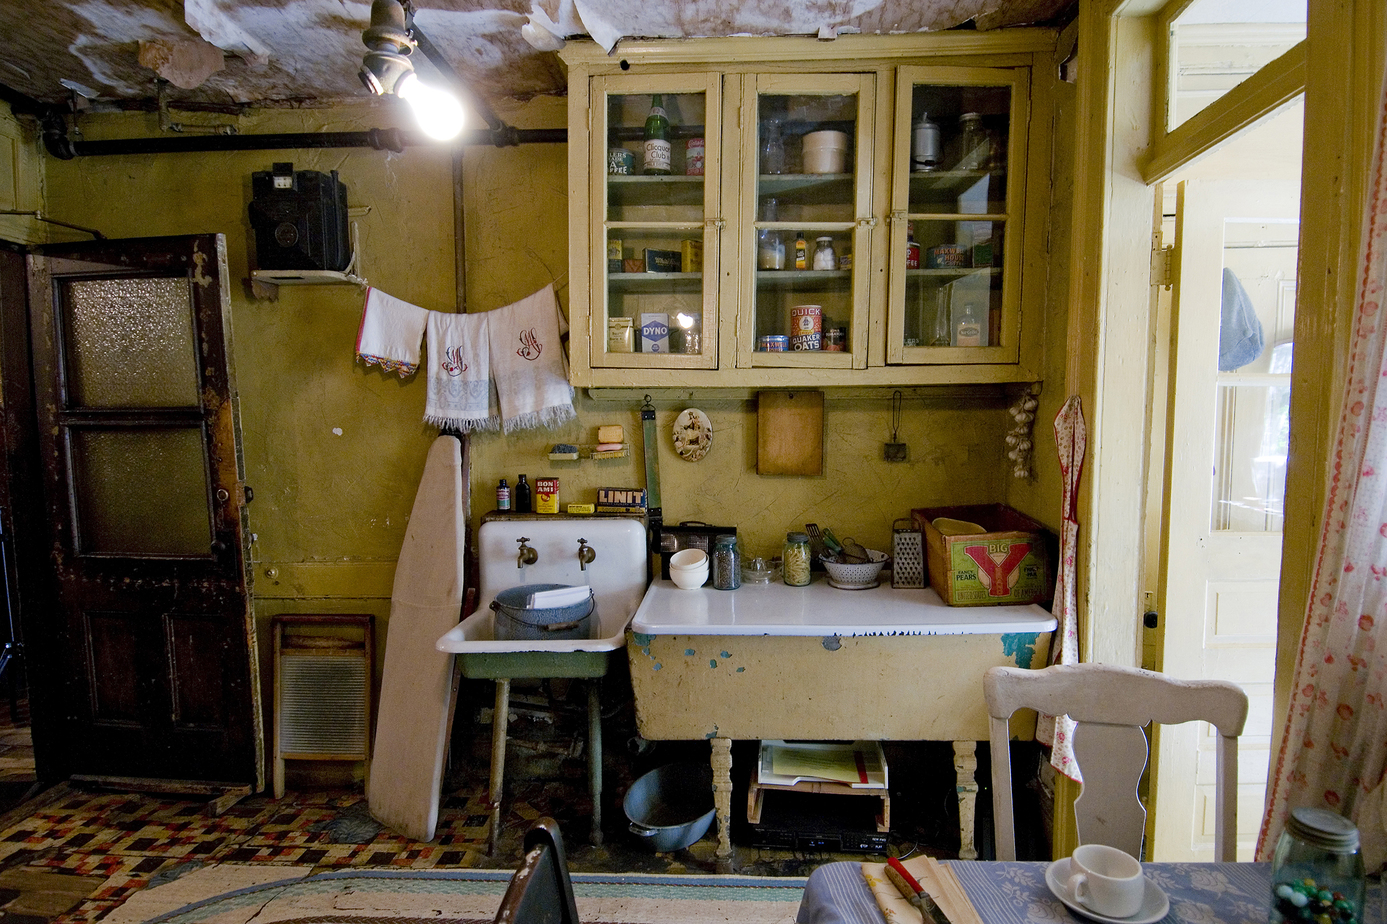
(390, 332)
(459, 373)
(528, 364)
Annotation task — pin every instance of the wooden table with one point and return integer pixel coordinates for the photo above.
(1015, 893)
(819, 663)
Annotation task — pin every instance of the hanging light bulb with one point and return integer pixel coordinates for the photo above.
(438, 112)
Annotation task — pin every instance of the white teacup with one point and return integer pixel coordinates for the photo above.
(1107, 880)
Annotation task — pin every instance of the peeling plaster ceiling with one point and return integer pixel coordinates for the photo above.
(296, 52)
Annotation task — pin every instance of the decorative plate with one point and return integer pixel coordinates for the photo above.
(693, 434)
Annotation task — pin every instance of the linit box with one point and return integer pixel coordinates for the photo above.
(621, 500)
(654, 332)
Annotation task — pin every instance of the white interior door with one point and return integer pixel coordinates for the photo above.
(1236, 242)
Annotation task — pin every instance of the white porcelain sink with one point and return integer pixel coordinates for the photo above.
(617, 575)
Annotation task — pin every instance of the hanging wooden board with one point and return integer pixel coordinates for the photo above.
(789, 433)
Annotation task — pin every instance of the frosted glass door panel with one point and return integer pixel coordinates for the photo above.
(130, 343)
(141, 492)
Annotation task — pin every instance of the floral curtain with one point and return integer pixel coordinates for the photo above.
(1071, 438)
(1335, 743)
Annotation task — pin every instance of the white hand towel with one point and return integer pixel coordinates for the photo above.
(528, 363)
(390, 332)
(459, 373)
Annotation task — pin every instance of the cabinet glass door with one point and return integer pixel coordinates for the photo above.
(955, 218)
(806, 206)
(655, 233)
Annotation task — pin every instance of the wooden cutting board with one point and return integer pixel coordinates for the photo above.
(789, 433)
(417, 683)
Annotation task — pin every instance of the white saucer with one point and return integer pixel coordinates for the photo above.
(1154, 904)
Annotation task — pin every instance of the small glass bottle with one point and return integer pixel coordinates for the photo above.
(974, 151)
(795, 559)
(773, 150)
(503, 495)
(522, 496)
(770, 246)
(824, 257)
(1317, 869)
(969, 328)
(727, 564)
(940, 335)
(801, 251)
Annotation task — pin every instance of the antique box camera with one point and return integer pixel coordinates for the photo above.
(300, 219)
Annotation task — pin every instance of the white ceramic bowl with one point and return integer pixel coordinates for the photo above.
(687, 560)
(689, 580)
(825, 152)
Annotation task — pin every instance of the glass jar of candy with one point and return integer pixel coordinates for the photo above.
(1317, 870)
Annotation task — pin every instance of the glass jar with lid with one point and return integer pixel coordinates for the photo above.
(795, 559)
(1317, 870)
(824, 256)
(727, 563)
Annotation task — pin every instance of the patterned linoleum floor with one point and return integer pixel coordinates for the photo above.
(69, 854)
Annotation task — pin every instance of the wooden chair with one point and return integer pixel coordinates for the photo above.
(1111, 706)
(540, 892)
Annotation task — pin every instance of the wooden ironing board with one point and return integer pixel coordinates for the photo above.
(417, 686)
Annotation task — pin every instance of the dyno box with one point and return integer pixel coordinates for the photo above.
(1010, 561)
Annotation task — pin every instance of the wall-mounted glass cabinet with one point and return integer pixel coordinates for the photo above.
(758, 213)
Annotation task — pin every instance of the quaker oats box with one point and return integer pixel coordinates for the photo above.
(987, 554)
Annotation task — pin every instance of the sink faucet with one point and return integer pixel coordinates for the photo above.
(527, 556)
(586, 554)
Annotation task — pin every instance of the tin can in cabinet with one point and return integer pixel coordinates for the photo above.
(693, 157)
(806, 327)
(836, 340)
(773, 343)
(621, 162)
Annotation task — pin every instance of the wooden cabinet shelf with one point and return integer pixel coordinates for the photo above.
(765, 122)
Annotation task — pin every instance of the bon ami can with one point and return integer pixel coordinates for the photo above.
(773, 343)
(546, 495)
(620, 161)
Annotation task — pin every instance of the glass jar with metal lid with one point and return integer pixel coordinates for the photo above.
(795, 559)
(727, 563)
(1317, 870)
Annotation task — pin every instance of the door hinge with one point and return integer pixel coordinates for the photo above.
(1163, 266)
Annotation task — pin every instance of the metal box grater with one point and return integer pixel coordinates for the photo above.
(907, 554)
(322, 689)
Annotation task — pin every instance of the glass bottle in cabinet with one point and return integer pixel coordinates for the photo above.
(954, 296)
(655, 231)
(812, 140)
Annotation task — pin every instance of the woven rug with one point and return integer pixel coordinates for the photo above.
(239, 894)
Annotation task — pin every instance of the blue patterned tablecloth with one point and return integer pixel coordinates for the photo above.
(1016, 893)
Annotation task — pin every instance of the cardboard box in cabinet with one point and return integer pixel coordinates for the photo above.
(1011, 562)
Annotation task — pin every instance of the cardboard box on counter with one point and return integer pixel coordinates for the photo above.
(1011, 561)
(621, 500)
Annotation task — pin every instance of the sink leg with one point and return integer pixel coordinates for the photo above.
(595, 758)
(722, 800)
(499, 720)
(966, 769)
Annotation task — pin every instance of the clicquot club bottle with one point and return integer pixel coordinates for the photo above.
(656, 138)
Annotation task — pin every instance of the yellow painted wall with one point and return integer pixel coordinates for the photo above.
(334, 450)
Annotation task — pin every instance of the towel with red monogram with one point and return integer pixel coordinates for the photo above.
(390, 332)
(460, 394)
(528, 362)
